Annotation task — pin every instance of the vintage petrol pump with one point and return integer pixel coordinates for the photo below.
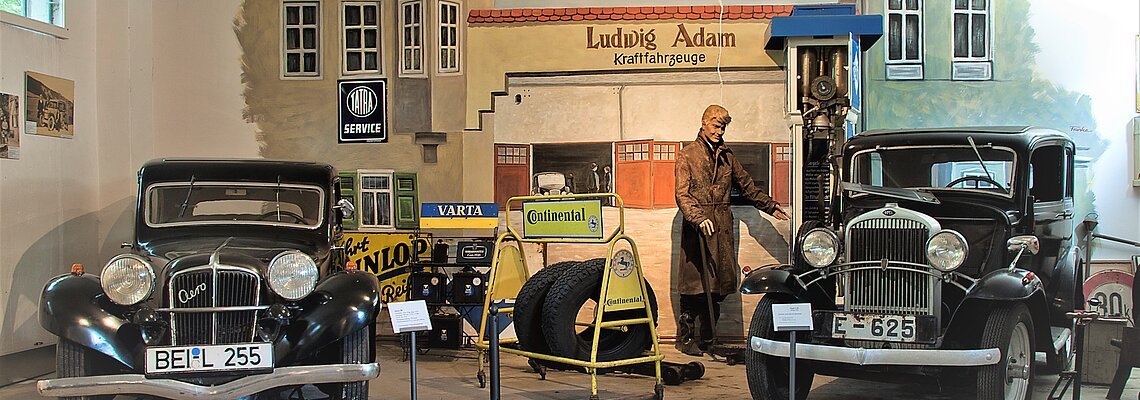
(821, 46)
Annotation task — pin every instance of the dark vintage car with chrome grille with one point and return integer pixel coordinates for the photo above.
(231, 288)
(951, 256)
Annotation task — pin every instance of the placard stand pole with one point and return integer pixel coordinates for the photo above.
(791, 366)
(414, 350)
(494, 351)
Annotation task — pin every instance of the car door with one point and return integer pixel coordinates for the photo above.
(1051, 185)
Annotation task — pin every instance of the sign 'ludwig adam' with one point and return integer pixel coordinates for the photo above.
(363, 111)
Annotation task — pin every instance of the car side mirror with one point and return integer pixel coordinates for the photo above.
(1027, 242)
(347, 210)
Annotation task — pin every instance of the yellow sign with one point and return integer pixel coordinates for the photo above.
(624, 292)
(562, 219)
(388, 256)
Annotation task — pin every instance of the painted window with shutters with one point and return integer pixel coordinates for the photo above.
(361, 37)
(376, 199)
(448, 18)
(411, 38)
(971, 33)
(300, 37)
(904, 39)
(348, 192)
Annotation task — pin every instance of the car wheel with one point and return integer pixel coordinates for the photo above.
(1010, 329)
(354, 349)
(73, 360)
(767, 375)
(528, 307)
(576, 291)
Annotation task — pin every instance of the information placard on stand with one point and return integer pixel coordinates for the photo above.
(410, 317)
(792, 317)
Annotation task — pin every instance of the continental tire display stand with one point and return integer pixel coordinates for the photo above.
(622, 291)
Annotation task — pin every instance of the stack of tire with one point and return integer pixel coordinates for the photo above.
(548, 305)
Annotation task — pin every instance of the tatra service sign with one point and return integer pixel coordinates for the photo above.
(363, 111)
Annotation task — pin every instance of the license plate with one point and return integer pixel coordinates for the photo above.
(891, 328)
(222, 357)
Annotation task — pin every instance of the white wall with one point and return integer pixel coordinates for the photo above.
(1092, 50)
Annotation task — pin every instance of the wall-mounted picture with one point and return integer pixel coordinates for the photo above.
(9, 126)
(51, 105)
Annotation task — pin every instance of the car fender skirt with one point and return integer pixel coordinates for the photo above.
(1003, 284)
(774, 280)
(861, 356)
(70, 308)
(340, 305)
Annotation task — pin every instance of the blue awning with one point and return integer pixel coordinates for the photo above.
(824, 21)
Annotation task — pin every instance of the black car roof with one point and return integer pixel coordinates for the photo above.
(256, 170)
(1015, 137)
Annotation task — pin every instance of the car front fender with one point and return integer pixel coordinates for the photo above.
(998, 287)
(341, 304)
(1005, 285)
(70, 309)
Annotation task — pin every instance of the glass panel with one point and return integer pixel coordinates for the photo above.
(292, 38)
(293, 62)
(912, 43)
(416, 59)
(407, 14)
(502, 150)
(454, 37)
(407, 58)
(894, 5)
(292, 15)
(894, 37)
(374, 182)
(443, 35)
(370, 38)
(310, 15)
(310, 62)
(416, 36)
(351, 16)
(416, 12)
(912, 4)
(368, 203)
(353, 61)
(961, 35)
(961, 4)
(978, 36)
(443, 58)
(370, 61)
(370, 15)
(452, 11)
(309, 38)
(352, 38)
(979, 5)
(384, 208)
(234, 203)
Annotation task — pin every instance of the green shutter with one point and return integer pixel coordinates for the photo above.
(348, 191)
(407, 201)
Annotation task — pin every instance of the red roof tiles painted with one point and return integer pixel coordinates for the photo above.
(712, 12)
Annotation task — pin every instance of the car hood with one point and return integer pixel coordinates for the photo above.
(244, 252)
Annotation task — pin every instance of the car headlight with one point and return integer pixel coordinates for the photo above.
(292, 274)
(947, 250)
(127, 279)
(820, 247)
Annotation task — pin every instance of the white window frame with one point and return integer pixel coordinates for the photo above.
(904, 69)
(971, 67)
(363, 50)
(390, 191)
(456, 34)
(418, 25)
(35, 23)
(285, 51)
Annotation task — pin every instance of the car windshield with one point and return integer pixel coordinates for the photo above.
(198, 203)
(936, 167)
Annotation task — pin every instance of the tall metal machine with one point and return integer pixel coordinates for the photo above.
(822, 48)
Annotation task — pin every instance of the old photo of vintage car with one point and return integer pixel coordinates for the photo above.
(953, 257)
(231, 287)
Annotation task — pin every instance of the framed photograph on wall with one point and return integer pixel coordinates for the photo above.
(50, 105)
(9, 126)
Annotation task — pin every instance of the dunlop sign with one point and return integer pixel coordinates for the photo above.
(363, 111)
(563, 219)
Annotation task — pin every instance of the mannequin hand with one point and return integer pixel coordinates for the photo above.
(780, 214)
(707, 227)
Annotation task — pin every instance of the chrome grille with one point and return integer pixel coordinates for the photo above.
(202, 289)
(889, 291)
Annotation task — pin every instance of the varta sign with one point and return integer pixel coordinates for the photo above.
(459, 215)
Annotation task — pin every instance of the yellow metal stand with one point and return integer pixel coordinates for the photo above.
(509, 272)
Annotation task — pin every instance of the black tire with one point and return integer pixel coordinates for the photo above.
(573, 289)
(73, 360)
(1009, 328)
(528, 305)
(767, 375)
(354, 349)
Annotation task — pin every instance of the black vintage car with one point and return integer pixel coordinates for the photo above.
(952, 255)
(232, 288)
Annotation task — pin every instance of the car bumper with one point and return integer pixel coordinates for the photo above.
(170, 388)
(861, 356)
